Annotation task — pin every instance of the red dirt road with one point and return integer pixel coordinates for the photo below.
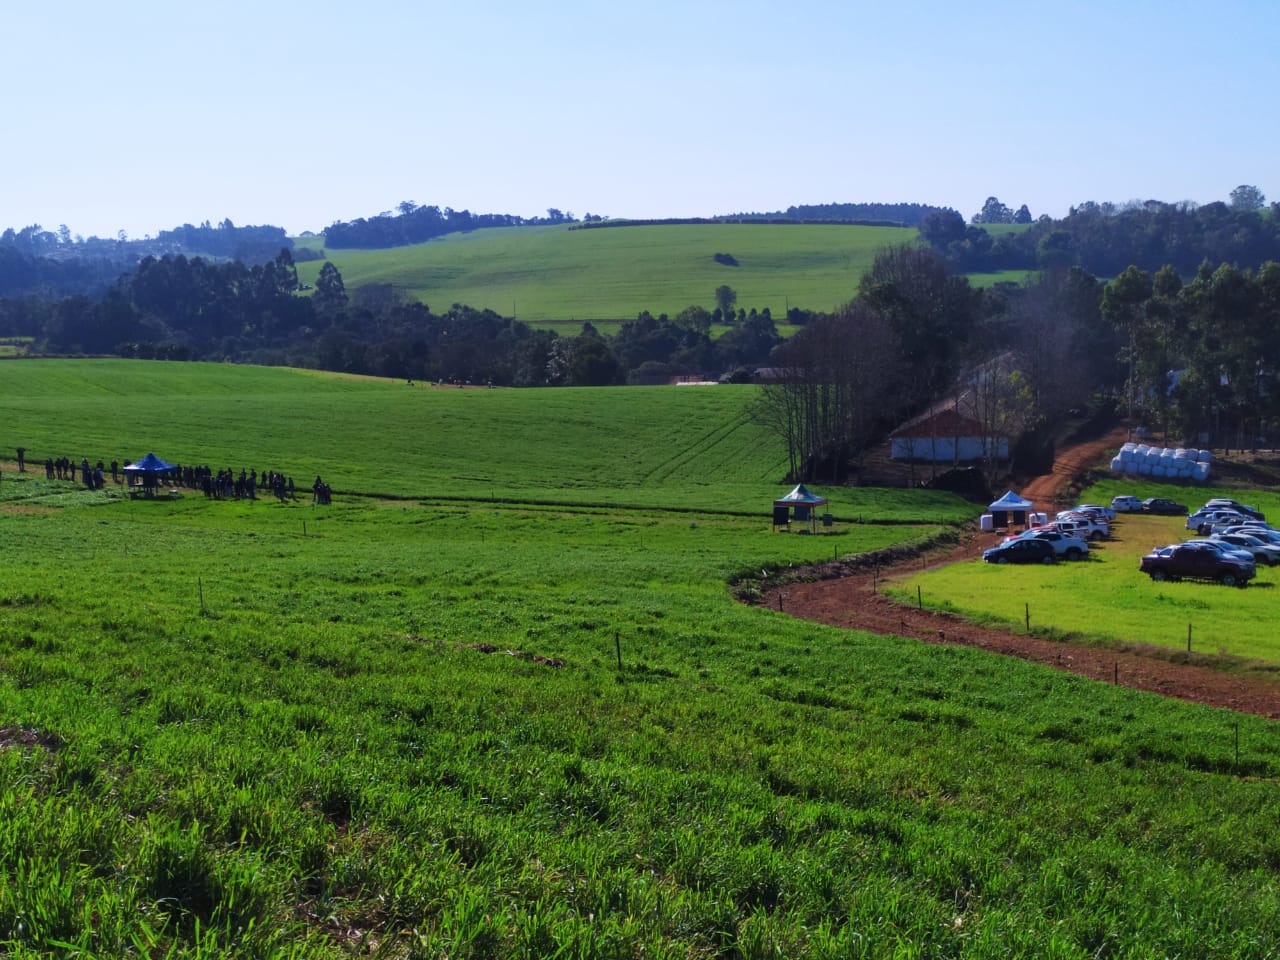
(849, 600)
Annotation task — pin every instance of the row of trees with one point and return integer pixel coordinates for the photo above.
(413, 223)
(1011, 357)
(1198, 358)
(191, 308)
(1201, 358)
(905, 214)
(1104, 238)
(993, 211)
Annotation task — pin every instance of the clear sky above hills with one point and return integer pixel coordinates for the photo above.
(142, 115)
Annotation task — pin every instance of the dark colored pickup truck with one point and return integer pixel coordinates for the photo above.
(1199, 561)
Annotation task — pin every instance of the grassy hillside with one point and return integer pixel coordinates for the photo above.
(434, 727)
(556, 274)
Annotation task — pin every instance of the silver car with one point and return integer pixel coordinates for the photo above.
(1262, 552)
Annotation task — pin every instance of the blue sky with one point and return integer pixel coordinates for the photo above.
(142, 115)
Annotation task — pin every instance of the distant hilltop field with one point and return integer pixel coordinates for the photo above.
(554, 274)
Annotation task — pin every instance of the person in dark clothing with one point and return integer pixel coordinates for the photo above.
(22, 459)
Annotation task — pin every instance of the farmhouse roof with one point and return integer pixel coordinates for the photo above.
(941, 421)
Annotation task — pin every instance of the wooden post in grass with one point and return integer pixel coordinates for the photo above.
(779, 601)
(617, 644)
(1115, 675)
(1188, 638)
(919, 598)
(1028, 616)
(200, 587)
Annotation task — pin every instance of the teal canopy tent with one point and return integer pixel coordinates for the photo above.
(800, 504)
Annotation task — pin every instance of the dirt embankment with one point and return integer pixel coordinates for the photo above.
(851, 599)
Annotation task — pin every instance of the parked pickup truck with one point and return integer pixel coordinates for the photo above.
(1199, 561)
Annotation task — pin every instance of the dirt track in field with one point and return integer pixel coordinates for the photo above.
(852, 601)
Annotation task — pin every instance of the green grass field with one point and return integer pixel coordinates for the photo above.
(1109, 600)
(543, 274)
(442, 725)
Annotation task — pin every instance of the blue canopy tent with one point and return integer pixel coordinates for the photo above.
(804, 505)
(145, 475)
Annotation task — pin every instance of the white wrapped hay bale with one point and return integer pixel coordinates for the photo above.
(1205, 456)
(1117, 465)
(1200, 472)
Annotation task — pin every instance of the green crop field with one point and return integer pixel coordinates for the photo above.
(427, 721)
(543, 274)
(1109, 600)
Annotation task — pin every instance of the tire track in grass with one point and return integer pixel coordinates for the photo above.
(702, 446)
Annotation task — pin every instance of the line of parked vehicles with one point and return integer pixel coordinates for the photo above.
(1066, 537)
(1233, 539)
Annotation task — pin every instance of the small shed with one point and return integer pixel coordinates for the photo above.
(800, 505)
(1011, 510)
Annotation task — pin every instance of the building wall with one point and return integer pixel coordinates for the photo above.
(945, 449)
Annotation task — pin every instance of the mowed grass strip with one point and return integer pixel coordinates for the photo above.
(553, 273)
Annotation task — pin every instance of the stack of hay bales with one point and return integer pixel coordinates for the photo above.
(1165, 463)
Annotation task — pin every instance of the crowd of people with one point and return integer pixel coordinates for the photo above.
(64, 468)
(216, 485)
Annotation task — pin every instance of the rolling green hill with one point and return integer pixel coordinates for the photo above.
(544, 274)
(437, 724)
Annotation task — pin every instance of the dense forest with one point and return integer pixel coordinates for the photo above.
(53, 264)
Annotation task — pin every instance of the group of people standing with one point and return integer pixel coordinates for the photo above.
(226, 484)
(219, 485)
(64, 468)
